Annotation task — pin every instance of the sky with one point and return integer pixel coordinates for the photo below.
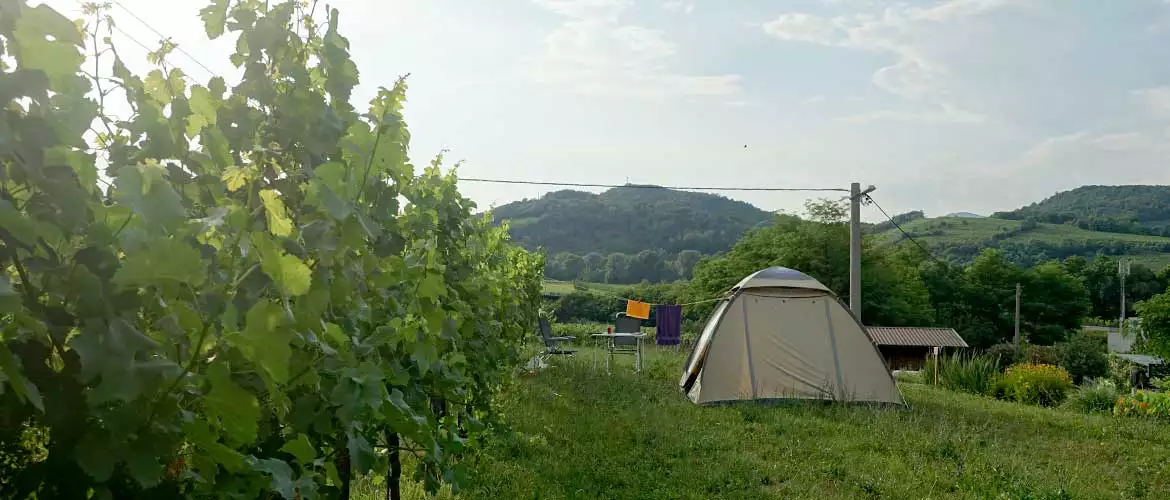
(944, 106)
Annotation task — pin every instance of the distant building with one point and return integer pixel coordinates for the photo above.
(906, 348)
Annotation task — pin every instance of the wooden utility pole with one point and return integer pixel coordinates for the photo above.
(1016, 339)
(1122, 271)
(855, 194)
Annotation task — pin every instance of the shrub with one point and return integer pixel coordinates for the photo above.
(1095, 398)
(1144, 404)
(1035, 384)
(1119, 370)
(1041, 355)
(1004, 354)
(587, 306)
(964, 373)
(1084, 356)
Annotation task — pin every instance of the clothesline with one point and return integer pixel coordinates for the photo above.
(612, 296)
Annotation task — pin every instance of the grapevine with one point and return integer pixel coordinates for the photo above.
(234, 292)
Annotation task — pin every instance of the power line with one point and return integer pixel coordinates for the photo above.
(904, 233)
(641, 186)
(178, 47)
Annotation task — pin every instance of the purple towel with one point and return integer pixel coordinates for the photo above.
(669, 321)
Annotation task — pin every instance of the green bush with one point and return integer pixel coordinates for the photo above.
(1119, 370)
(1144, 404)
(1035, 384)
(587, 306)
(1095, 398)
(1004, 354)
(1084, 356)
(964, 373)
(1040, 354)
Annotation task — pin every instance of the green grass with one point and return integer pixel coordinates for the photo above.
(555, 287)
(579, 434)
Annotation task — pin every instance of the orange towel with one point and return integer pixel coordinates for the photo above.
(635, 309)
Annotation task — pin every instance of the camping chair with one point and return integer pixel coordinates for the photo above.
(552, 345)
(625, 345)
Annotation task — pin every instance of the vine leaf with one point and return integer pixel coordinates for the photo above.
(278, 222)
(16, 224)
(58, 58)
(214, 17)
(237, 177)
(162, 262)
(301, 448)
(267, 339)
(145, 189)
(287, 271)
(282, 481)
(203, 111)
(20, 385)
(236, 409)
(108, 351)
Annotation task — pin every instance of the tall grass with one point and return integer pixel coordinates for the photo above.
(1093, 398)
(965, 373)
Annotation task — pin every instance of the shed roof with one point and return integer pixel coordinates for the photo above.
(911, 336)
(1142, 359)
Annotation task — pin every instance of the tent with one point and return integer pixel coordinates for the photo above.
(780, 334)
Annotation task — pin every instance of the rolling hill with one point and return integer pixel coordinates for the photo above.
(629, 220)
(1029, 242)
(1115, 209)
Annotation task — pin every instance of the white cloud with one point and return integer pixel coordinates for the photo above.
(684, 6)
(580, 9)
(1130, 156)
(921, 70)
(594, 52)
(801, 27)
(1155, 100)
(945, 114)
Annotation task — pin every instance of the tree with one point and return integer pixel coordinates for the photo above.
(892, 288)
(594, 267)
(989, 291)
(617, 268)
(1084, 356)
(648, 265)
(265, 299)
(1155, 314)
(1053, 303)
(685, 263)
(573, 266)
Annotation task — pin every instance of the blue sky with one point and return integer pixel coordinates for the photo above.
(959, 105)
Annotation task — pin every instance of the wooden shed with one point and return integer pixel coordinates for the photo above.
(906, 348)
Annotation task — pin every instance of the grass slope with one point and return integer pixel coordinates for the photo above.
(556, 287)
(584, 435)
(954, 231)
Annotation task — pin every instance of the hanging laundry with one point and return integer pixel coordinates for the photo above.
(636, 309)
(669, 321)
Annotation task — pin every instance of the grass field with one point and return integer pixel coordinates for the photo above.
(578, 434)
(980, 231)
(555, 287)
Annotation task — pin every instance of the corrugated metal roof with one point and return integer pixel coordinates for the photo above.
(908, 336)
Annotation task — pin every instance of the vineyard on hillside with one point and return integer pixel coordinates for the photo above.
(238, 291)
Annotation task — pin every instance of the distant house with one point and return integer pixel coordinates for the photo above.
(906, 348)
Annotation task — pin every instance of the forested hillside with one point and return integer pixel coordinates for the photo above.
(1115, 209)
(1028, 242)
(629, 220)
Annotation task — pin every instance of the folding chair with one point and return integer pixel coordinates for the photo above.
(552, 345)
(625, 345)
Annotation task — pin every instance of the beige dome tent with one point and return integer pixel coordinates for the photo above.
(781, 334)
